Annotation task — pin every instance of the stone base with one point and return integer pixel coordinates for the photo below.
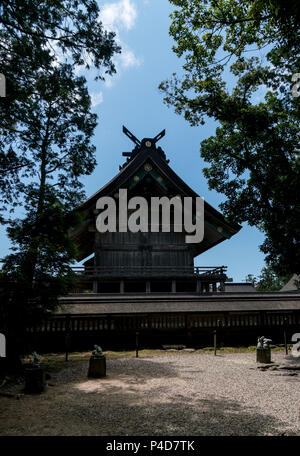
(97, 367)
(263, 355)
(35, 379)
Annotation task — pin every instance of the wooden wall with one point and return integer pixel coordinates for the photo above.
(142, 249)
(190, 328)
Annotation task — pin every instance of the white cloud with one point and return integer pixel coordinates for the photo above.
(128, 59)
(118, 15)
(115, 16)
(96, 98)
(123, 61)
(109, 80)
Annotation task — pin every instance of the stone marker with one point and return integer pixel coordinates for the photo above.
(97, 365)
(263, 350)
(35, 376)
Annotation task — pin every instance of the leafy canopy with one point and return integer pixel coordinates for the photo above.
(55, 139)
(37, 36)
(268, 280)
(46, 130)
(238, 60)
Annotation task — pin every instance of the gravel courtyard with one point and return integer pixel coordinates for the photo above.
(171, 393)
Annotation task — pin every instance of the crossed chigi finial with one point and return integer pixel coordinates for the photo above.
(145, 142)
(138, 143)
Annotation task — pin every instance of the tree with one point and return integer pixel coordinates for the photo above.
(250, 278)
(36, 35)
(55, 138)
(270, 281)
(46, 128)
(253, 156)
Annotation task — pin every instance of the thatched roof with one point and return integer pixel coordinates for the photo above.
(243, 287)
(216, 228)
(96, 304)
(291, 285)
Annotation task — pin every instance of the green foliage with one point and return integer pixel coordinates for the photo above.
(46, 127)
(250, 278)
(270, 281)
(55, 139)
(35, 37)
(239, 58)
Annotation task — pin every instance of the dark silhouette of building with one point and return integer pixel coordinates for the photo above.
(146, 282)
(123, 262)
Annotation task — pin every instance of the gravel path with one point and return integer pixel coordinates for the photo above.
(169, 394)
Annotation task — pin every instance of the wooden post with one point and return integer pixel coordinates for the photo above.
(67, 335)
(222, 285)
(219, 323)
(95, 286)
(215, 342)
(137, 344)
(148, 287)
(285, 335)
(173, 286)
(262, 319)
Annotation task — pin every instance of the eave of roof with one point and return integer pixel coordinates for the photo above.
(212, 216)
(134, 304)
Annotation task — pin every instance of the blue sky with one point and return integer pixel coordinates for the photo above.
(132, 98)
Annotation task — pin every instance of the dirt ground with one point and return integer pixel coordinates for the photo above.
(166, 393)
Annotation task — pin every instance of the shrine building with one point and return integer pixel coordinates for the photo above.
(146, 282)
(147, 262)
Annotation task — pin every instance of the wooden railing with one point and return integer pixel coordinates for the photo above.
(97, 271)
(166, 322)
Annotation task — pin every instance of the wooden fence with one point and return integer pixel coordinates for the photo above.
(166, 322)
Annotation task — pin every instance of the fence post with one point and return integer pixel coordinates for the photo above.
(137, 344)
(285, 335)
(67, 335)
(215, 342)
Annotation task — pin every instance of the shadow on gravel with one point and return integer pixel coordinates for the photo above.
(121, 370)
(133, 400)
(292, 360)
(121, 413)
(124, 401)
